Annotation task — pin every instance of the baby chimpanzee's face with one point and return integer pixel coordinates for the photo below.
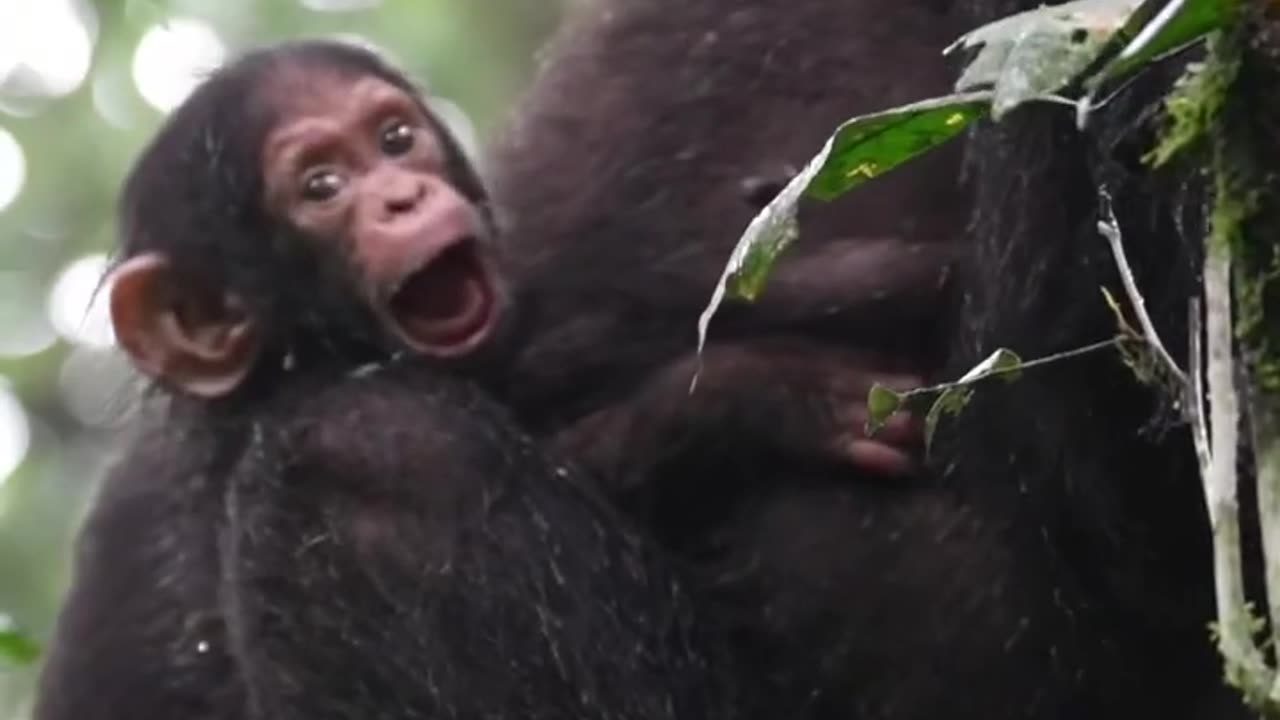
(357, 162)
(356, 169)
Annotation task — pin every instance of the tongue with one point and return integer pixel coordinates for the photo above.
(443, 303)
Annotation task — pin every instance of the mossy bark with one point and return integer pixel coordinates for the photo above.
(1245, 138)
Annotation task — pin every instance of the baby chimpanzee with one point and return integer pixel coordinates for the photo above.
(350, 527)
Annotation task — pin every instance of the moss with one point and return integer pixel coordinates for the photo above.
(1192, 108)
(1245, 216)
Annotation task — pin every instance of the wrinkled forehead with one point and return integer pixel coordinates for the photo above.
(296, 92)
(315, 106)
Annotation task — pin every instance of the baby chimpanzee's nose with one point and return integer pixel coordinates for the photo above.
(404, 193)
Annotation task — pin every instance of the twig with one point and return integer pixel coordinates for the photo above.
(1193, 407)
(1110, 229)
(1025, 365)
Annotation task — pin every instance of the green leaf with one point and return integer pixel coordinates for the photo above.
(17, 648)
(1037, 53)
(951, 401)
(882, 403)
(1003, 363)
(748, 281)
(1177, 24)
(868, 146)
(859, 150)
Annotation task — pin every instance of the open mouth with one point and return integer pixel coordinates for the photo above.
(446, 307)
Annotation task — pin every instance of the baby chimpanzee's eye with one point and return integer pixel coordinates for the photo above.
(321, 185)
(397, 138)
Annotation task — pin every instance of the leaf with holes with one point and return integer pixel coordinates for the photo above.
(1037, 53)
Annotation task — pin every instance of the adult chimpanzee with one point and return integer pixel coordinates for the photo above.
(349, 527)
(252, 336)
(668, 124)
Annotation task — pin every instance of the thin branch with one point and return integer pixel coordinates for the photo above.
(1025, 365)
(1194, 410)
(1110, 229)
(1235, 623)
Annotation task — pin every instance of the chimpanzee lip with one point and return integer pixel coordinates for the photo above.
(446, 307)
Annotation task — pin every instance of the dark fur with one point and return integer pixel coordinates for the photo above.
(1105, 568)
(395, 548)
(624, 180)
(141, 633)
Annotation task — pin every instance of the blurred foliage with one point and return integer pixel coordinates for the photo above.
(77, 139)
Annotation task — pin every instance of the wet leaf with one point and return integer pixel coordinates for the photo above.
(1037, 53)
(1004, 363)
(882, 403)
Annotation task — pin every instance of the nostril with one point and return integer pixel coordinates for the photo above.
(407, 199)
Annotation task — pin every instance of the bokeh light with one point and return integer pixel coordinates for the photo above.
(96, 386)
(78, 309)
(45, 46)
(15, 432)
(172, 58)
(13, 168)
(23, 328)
(339, 5)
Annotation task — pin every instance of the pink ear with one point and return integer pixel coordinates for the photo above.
(206, 354)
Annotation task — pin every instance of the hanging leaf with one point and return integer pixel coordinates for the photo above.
(868, 146)
(861, 149)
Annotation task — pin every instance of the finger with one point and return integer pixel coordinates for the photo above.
(880, 459)
(904, 430)
(860, 383)
(900, 383)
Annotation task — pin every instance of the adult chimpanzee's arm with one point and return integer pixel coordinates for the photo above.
(396, 549)
(752, 399)
(790, 373)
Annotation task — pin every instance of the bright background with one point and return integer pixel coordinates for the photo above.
(83, 83)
